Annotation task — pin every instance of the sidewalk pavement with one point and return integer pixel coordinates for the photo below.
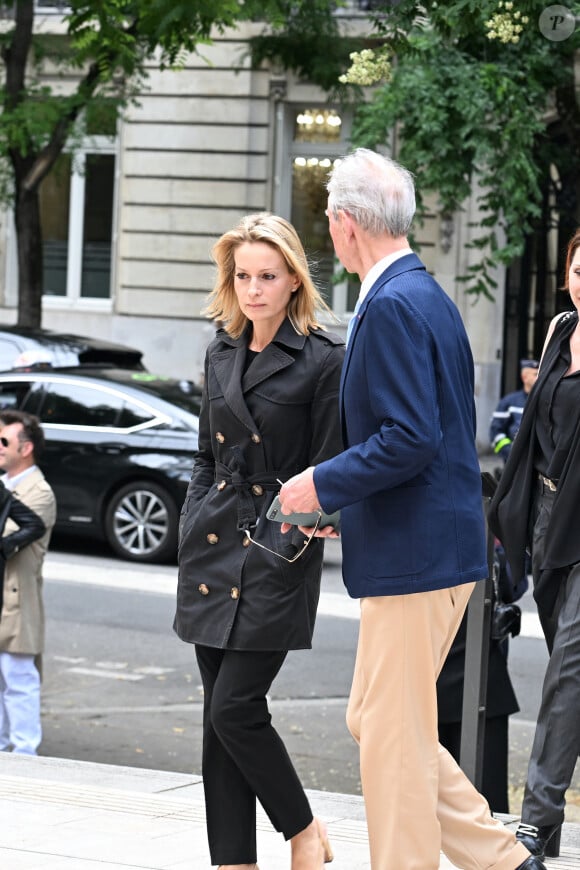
(75, 815)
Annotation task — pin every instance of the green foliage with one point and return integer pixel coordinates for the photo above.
(468, 103)
(120, 32)
(473, 110)
(307, 40)
(106, 48)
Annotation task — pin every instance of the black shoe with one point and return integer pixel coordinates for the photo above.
(532, 863)
(540, 841)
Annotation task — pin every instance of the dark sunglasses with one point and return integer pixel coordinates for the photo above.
(6, 443)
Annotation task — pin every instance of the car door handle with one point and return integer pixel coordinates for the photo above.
(112, 449)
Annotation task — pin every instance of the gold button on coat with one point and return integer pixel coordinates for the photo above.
(246, 542)
(221, 485)
(203, 589)
(235, 593)
(257, 489)
(212, 538)
(256, 438)
(220, 437)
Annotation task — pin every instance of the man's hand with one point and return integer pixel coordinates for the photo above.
(298, 495)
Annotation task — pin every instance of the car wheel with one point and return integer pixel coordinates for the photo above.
(141, 523)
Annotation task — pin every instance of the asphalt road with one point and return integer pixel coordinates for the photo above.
(120, 688)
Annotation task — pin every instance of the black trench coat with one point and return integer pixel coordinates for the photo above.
(271, 422)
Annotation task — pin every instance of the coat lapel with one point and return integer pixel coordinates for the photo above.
(229, 366)
(274, 357)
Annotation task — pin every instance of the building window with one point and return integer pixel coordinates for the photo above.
(318, 138)
(97, 226)
(76, 213)
(317, 126)
(54, 220)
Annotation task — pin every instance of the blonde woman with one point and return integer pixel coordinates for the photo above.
(247, 594)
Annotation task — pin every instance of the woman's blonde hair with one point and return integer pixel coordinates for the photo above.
(281, 235)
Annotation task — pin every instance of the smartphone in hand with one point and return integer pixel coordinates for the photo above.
(308, 520)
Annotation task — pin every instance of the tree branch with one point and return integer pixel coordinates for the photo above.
(15, 55)
(87, 86)
(48, 155)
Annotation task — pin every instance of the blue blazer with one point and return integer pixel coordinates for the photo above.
(408, 481)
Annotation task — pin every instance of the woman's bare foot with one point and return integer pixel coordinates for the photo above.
(326, 847)
(310, 848)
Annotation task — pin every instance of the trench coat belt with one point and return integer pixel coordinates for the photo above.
(243, 483)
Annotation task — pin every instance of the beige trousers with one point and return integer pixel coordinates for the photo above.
(418, 801)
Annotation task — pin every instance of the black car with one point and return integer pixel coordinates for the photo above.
(119, 451)
(27, 348)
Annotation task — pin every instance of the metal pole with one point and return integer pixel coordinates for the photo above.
(477, 659)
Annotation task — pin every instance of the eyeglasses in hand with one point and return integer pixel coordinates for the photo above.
(280, 556)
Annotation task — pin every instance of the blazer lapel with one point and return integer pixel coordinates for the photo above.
(404, 264)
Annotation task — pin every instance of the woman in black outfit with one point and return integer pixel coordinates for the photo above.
(246, 593)
(536, 506)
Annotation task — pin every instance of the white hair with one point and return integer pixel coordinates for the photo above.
(377, 191)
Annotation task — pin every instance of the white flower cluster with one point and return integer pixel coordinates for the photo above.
(368, 67)
(506, 25)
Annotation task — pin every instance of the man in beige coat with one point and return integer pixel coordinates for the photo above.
(22, 617)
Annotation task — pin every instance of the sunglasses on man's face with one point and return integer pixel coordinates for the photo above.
(6, 443)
